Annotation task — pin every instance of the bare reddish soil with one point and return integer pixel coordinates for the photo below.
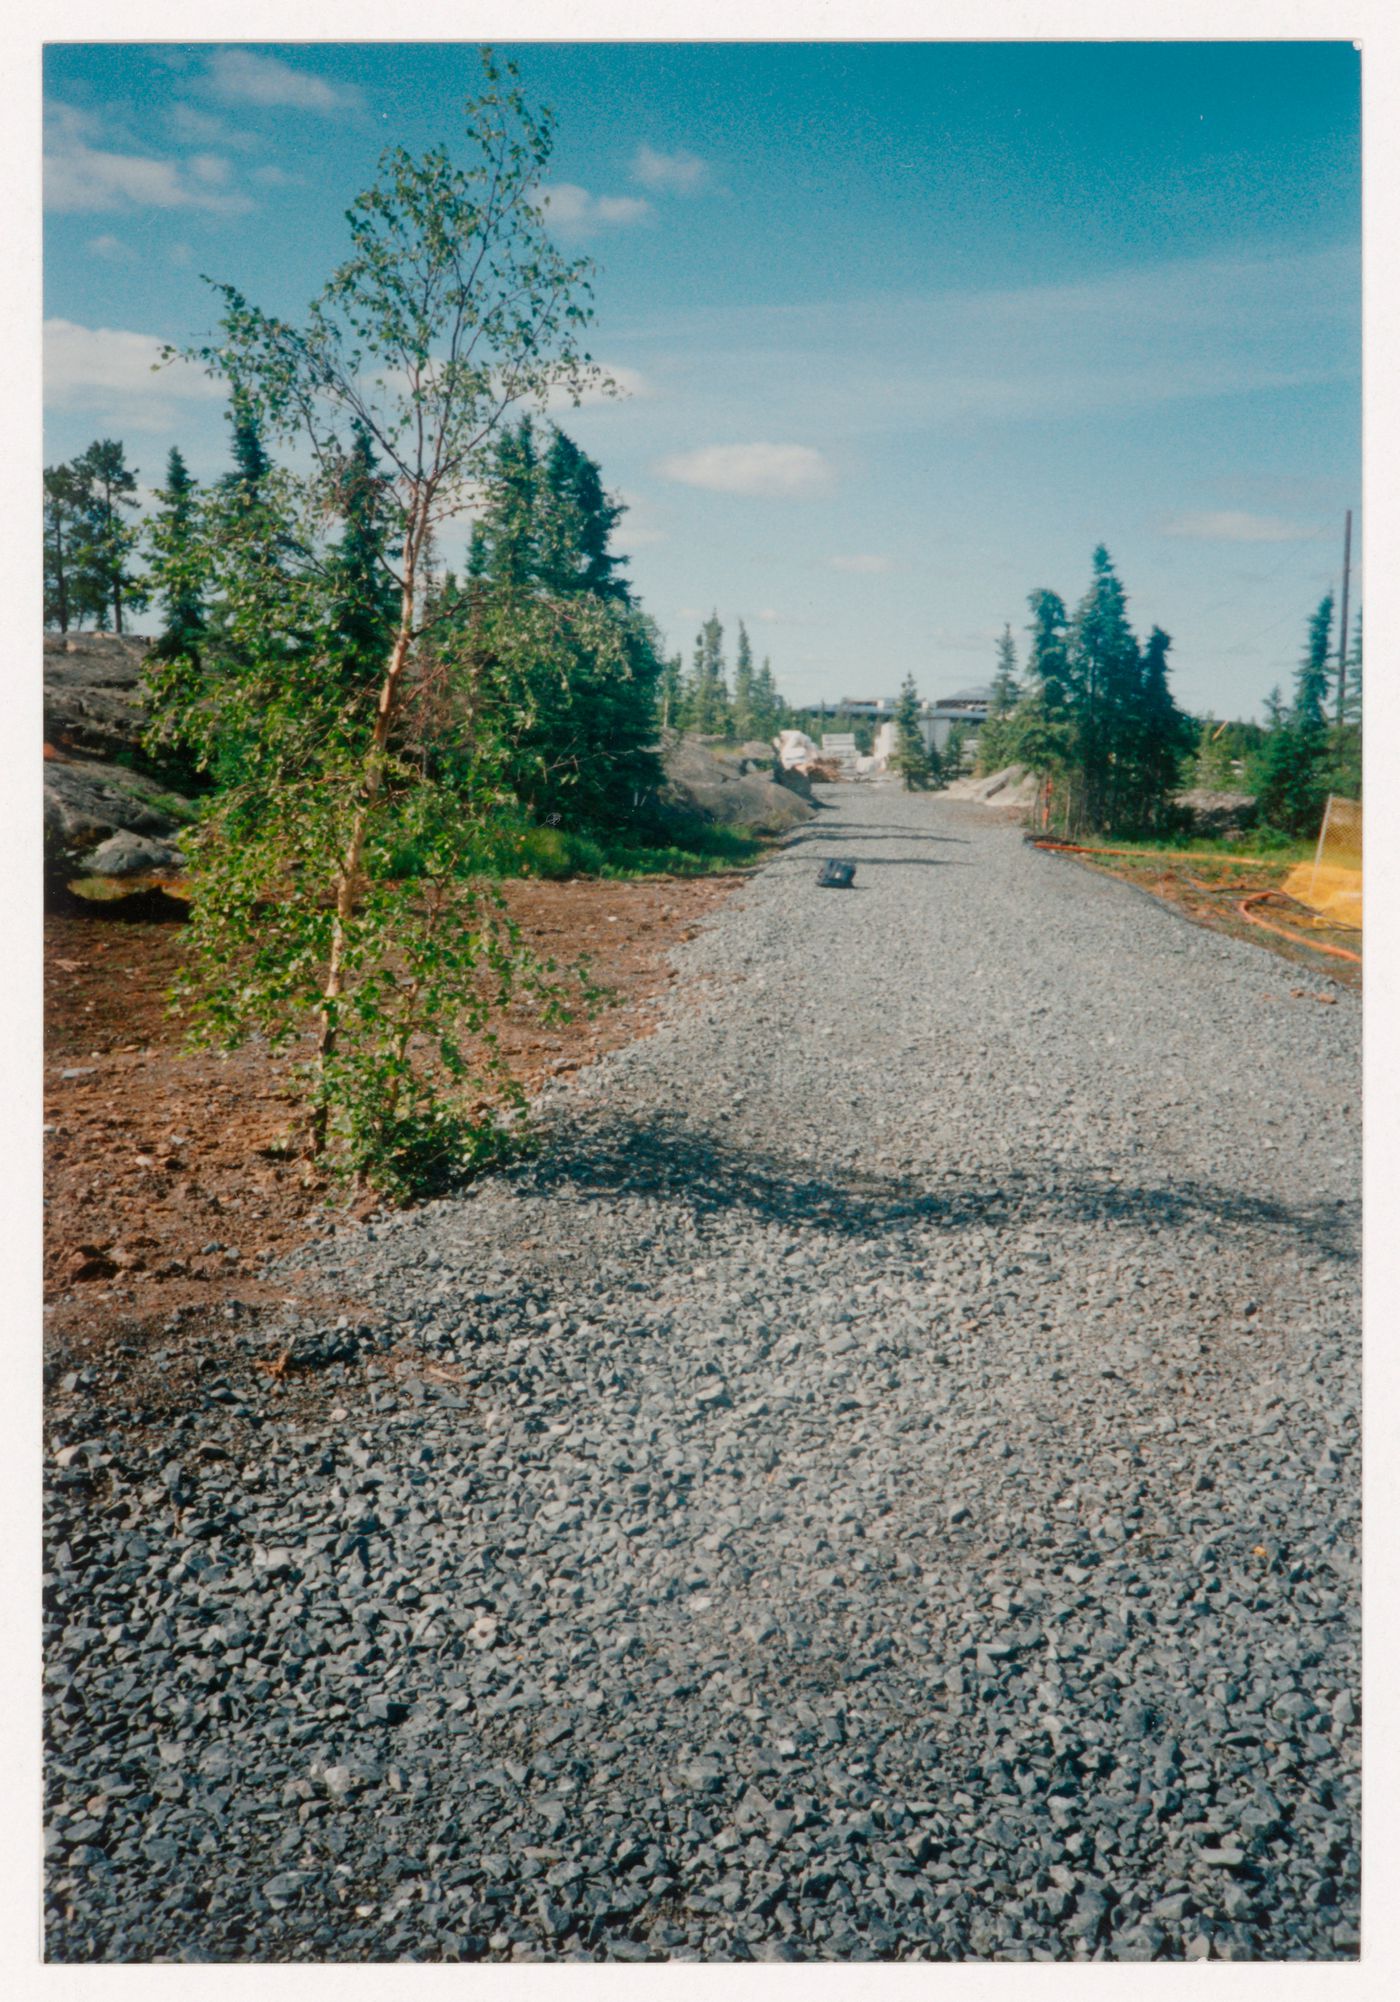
(168, 1174)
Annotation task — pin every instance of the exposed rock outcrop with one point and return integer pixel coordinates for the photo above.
(1219, 813)
(100, 816)
(87, 802)
(93, 697)
(702, 787)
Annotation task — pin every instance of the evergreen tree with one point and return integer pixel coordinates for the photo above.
(568, 669)
(1043, 730)
(1160, 742)
(707, 709)
(363, 597)
(1293, 766)
(1051, 675)
(916, 764)
(770, 712)
(576, 520)
(1006, 689)
(670, 692)
(110, 486)
(1105, 674)
(251, 464)
(1314, 674)
(1346, 769)
(1351, 701)
(175, 545)
(950, 758)
(505, 539)
(744, 719)
(996, 741)
(67, 540)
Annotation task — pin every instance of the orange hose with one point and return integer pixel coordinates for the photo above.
(1313, 944)
(1298, 938)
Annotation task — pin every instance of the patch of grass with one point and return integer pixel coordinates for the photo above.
(554, 854)
(1284, 849)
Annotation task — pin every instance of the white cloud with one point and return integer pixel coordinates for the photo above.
(193, 127)
(240, 76)
(571, 207)
(119, 374)
(276, 177)
(108, 246)
(212, 169)
(1235, 525)
(679, 173)
(777, 472)
(862, 566)
(630, 383)
(79, 176)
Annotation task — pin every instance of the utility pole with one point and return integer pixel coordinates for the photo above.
(1342, 636)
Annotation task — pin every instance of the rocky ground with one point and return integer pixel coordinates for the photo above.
(884, 1484)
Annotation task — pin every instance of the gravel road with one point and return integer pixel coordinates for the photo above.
(884, 1482)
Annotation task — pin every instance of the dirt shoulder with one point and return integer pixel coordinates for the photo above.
(1246, 900)
(167, 1175)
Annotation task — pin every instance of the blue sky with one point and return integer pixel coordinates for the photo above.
(907, 329)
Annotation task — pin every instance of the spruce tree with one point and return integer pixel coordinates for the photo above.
(112, 540)
(996, 741)
(1051, 674)
(707, 696)
(1293, 766)
(915, 763)
(175, 544)
(505, 539)
(1346, 769)
(1006, 689)
(360, 586)
(576, 519)
(669, 692)
(1161, 740)
(744, 719)
(1106, 682)
(67, 537)
(568, 667)
(770, 712)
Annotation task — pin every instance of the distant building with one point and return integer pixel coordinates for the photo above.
(968, 707)
(936, 719)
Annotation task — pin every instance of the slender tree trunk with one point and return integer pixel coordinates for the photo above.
(349, 869)
(60, 574)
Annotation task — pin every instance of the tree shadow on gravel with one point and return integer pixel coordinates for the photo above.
(856, 831)
(711, 1177)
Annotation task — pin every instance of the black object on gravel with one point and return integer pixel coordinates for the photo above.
(834, 875)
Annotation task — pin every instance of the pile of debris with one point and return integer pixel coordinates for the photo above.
(797, 753)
